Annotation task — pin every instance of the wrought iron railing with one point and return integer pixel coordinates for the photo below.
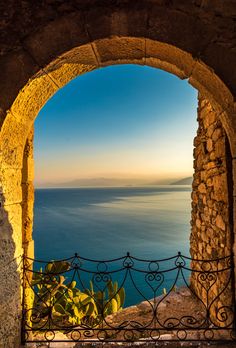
(128, 299)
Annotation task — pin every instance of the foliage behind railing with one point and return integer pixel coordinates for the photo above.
(66, 303)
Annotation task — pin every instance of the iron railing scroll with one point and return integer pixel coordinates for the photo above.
(128, 299)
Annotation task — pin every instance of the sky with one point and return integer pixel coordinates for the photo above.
(124, 121)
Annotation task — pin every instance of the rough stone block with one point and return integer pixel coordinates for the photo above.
(12, 227)
(209, 145)
(170, 68)
(68, 71)
(83, 55)
(31, 99)
(210, 131)
(11, 147)
(217, 134)
(220, 222)
(169, 58)
(220, 188)
(11, 186)
(120, 50)
(202, 188)
(209, 117)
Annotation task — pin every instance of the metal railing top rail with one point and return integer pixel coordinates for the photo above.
(179, 254)
(128, 261)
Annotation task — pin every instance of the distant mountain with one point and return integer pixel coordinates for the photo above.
(167, 181)
(185, 181)
(114, 182)
(94, 182)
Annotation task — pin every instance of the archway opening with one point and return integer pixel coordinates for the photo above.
(127, 133)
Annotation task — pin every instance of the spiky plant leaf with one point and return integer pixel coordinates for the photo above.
(59, 309)
(121, 294)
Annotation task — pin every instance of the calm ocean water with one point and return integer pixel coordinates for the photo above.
(104, 223)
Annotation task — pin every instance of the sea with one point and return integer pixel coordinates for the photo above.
(149, 223)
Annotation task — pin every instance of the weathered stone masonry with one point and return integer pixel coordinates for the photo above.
(211, 235)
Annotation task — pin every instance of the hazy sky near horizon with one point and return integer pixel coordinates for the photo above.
(119, 121)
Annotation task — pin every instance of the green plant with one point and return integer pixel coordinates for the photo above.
(115, 299)
(67, 303)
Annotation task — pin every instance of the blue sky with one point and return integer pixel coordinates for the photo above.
(121, 121)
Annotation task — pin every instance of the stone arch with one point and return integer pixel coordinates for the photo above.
(75, 43)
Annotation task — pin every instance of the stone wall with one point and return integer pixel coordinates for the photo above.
(17, 216)
(211, 235)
